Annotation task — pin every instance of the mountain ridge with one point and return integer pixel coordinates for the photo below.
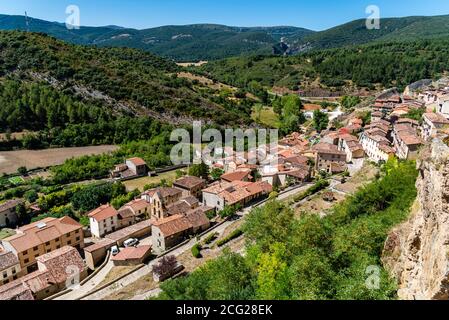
(208, 41)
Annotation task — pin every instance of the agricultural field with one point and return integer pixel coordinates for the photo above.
(10, 161)
(140, 183)
(266, 117)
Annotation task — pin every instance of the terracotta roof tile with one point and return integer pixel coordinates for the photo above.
(236, 176)
(132, 253)
(104, 212)
(138, 161)
(34, 234)
(189, 182)
(59, 261)
(8, 260)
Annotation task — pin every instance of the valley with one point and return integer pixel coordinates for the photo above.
(355, 180)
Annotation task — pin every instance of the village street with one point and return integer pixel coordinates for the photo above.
(84, 290)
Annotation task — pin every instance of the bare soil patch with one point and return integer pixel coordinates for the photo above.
(10, 161)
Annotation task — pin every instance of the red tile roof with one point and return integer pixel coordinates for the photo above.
(24, 287)
(189, 182)
(37, 233)
(138, 161)
(62, 261)
(102, 213)
(173, 225)
(436, 118)
(132, 253)
(7, 260)
(164, 192)
(236, 176)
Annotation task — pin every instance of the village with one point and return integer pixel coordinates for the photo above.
(45, 258)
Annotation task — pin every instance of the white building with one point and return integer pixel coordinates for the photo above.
(103, 220)
(377, 147)
(432, 122)
(443, 106)
(406, 142)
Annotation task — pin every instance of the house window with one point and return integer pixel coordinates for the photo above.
(69, 242)
(5, 275)
(36, 249)
(47, 243)
(26, 260)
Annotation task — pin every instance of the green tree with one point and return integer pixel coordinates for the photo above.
(216, 174)
(320, 120)
(291, 116)
(31, 196)
(272, 274)
(22, 171)
(199, 170)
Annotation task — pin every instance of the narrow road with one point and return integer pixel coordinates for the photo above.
(147, 269)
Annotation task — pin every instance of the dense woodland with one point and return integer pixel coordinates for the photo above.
(385, 63)
(140, 81)
(311, 258)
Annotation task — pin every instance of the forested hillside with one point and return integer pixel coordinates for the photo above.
(52, 84)
(182, 43)
(356, 32)
(386, 64)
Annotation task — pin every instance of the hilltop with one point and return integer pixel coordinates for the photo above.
(197, 42)
(182, 43)
(102, 82)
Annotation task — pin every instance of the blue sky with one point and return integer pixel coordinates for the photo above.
(312, 14)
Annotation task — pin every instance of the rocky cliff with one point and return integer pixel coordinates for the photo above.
(417, 252)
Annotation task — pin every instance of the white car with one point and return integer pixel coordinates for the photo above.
(130, 243)
(115, 251)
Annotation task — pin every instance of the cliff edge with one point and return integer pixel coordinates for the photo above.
(416, 252)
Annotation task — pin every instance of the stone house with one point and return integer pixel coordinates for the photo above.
(190, 186)
(42, 237)
(432, 122)
(8, 216)
(103, 220)
(9, 267)
(161, 198)
(329, 159)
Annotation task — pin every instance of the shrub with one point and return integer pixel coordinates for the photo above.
(317, 187)
(211, 238)
(196, 251)
(234, 235)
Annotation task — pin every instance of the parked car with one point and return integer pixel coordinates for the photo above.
(115, 251)
(131, 243)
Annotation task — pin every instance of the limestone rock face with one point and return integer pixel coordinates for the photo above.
(417, 252)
